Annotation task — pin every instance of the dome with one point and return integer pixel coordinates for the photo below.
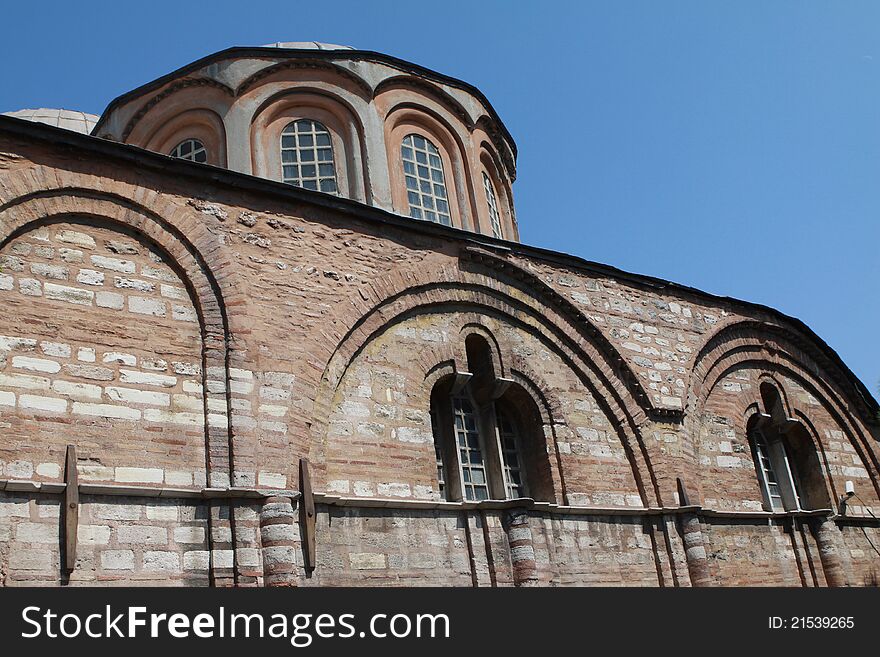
(81, 122)
(306, 45)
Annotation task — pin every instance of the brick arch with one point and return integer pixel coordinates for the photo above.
(771, 349)
(404, 292)
(190, 262)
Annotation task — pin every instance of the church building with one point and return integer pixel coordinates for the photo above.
(267, 321)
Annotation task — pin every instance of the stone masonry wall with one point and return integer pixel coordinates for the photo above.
(185, 333)
(99, 347)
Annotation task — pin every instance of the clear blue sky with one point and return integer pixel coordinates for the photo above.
(731, 146)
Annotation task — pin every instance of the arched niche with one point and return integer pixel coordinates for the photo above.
(346, 131)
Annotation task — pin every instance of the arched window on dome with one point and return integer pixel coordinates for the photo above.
(307, 156)
(425, 180)
(488, 439)
(190, 149)
(491, 200)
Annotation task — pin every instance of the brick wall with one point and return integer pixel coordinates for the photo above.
(182, 334)
(99, 347)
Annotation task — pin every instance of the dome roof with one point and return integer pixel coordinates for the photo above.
(306, 45)
(81, 122)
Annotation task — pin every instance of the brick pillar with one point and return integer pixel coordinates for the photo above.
(695, 550)
(222, 552)
(279, 540)
(522, 548)
(828, 539)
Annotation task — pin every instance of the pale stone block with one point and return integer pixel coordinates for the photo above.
(133, 284)
(363, 488)
(273, 410)
(9, 343)
(161, 561)
(162, 512)
(142, 534)
(244, 375)
(50, 470)
(237, 404)
(40, 560)
(196, 560)
(338, 486)
(241, 387)
(85, 354)
(106, 410)
(57, 272)
(50, 404)
(155, 364)
(249, 557)
(57, 349)
(189, 534)
(117, 560)
(26, 381)
(70, 255)
(75, 237)
(178, 478)
(394, 490)
(278, 379)
(193, 387)
(69, 294)
(113, 264)
(187, 403)
(146, 378)
(223, 558)
(90, 277)
(134, 396)
(6, 282)
(279, 554)
(367, 560)
(19, 469)
(162, 275)
(183, 313)
(121, 358)
(172, 292)
(218, 420)
(121, 511)
(145, 306)
(187, 369)
(728, 461)
(278, 533)
(13, 508)
(94, 472)
(36, 532)
(272, 479)
(7, 398)
(35, 364)
(140, 475)
(166, 417)
(30, 287)
(413, 435)
(93, 534)
(110, 300)
(77, 390)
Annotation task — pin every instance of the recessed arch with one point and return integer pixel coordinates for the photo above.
(476, 296)
(184, 256)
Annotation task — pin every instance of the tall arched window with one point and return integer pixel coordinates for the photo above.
(307, 156)
(425, 181)
(479, 421)
(494, 215)
(786, 463)
(775, 474)
(190, 149)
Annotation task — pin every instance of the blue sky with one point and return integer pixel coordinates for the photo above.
(730, 146)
